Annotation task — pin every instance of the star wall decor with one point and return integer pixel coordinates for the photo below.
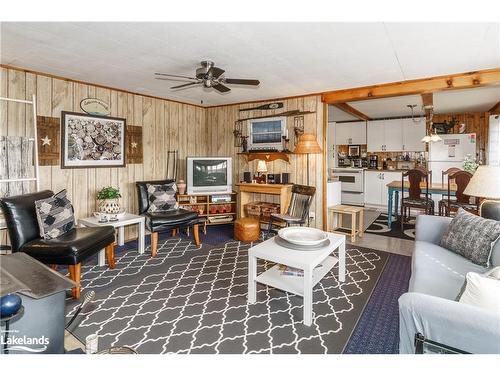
(133, 144)
(46, 141)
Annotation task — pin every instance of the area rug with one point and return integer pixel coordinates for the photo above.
(190, 300)
(379, 226)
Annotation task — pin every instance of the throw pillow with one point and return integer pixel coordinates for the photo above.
(494, 273)
(472, 237)
(162, 197)
(55, 215)
(482, 291)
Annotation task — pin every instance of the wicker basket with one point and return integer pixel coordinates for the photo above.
(261, 210)
(253, 209)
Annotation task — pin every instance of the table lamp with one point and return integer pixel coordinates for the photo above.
(485, 184)
(261, 168)
(307, 144)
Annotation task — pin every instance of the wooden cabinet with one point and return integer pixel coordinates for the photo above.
(395, 135)
(215, 208)
(376, 191)
(350, 133)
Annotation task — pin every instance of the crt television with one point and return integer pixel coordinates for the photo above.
(209, 175)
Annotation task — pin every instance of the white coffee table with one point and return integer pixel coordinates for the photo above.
(127, 219)
(305, 260)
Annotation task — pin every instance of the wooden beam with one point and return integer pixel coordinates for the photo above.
(352, 111)
(495, 110)
(414, 87)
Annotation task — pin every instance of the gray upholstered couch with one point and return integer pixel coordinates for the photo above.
(430, 308)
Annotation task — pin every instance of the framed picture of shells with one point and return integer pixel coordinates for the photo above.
(91, 141)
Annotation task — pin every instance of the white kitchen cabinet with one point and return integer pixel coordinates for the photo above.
(413, 132)
(375, 131)
(376, 191)
(393, 135)
(350, 133)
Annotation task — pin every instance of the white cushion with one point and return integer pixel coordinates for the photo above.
(483, 290)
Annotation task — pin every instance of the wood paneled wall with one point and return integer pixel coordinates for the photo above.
(220, 124)
(476, 122)
(166, 126)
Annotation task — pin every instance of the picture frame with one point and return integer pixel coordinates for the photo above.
(354, 151)
(92, 141)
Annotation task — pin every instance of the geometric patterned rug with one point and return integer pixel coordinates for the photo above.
(379, 226)
(190, 300)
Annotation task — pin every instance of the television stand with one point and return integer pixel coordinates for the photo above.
(216, 208)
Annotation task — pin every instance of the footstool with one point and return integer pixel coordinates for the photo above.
(357, 219)
(246, 229)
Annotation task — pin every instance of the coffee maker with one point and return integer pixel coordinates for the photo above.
(373, 162)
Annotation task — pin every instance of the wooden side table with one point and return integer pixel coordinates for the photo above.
(119, 225)
(357, 219)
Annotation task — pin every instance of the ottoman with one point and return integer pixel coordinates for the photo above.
(246, 229)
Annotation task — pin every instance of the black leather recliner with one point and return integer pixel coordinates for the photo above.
(69, 249)
(163, 221)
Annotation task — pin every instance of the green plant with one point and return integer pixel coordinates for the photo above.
(470, 164)
(108, 193)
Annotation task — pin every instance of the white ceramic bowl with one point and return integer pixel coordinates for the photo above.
(303, 236)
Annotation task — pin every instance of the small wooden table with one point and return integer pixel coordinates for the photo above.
(394, 188)
(119, 225)
(247, 189)
(357, 215)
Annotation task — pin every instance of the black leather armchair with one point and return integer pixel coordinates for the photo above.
(69, 249)
(163, 221)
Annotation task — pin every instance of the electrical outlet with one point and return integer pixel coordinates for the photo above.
(312, 215)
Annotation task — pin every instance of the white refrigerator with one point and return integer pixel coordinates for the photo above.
(450, 152)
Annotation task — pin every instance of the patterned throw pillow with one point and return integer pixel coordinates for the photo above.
(472, 237)
(162, 197)
(55, 215)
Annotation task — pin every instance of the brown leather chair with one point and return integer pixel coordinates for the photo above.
(415, 199)
(69, 249)
(461, 180)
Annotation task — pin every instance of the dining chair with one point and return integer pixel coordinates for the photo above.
(461, 180)
(415, 199)
(442, 202)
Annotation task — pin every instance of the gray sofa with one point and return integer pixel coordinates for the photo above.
(430, 308)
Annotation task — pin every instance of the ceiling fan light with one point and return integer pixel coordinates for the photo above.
(426, 139)
(436, 138)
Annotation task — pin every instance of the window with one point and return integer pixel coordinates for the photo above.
(494, 141)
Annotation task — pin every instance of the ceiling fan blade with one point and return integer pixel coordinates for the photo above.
(174, 75)
(221, 88)
(234, 81)
(185, 85)
(172, 79)
(216, 72)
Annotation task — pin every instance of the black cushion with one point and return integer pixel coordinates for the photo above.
(170, 219)
(142, 193)
(20, 216)
(72, 247)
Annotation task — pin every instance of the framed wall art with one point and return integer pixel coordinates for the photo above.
(91, 141)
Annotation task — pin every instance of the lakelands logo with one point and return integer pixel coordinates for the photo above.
(23, 343)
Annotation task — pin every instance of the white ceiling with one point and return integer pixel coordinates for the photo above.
(288, 58)
(470, 100)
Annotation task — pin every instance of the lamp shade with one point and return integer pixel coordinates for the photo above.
(307, 144)
(485, 183)
(261, 166)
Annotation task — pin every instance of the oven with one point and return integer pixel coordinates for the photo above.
(352, 186)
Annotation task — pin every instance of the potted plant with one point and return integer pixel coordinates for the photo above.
(470, 164)
(108, 200)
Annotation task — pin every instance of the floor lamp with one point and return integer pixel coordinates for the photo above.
(307, 144)
(485, 183)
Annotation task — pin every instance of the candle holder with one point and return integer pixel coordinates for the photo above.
(285, 143)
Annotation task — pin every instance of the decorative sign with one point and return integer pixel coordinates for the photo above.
(94, 106)
(264, 107)
(90, 141)
(48, 140)
(134, 144)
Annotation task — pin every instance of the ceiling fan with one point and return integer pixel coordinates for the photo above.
(208, 75)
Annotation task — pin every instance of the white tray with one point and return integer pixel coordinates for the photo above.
(303, 236)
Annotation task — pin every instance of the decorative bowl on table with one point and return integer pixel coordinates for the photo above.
(303, 236)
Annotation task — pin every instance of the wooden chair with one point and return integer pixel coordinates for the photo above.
(444, 200)
(298, 210)
(461, 180)
(415, 198)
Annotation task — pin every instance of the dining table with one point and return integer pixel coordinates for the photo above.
(395, 187)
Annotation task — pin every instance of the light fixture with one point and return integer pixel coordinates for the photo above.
(412, 108)
(485, 184)
(307, 144)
